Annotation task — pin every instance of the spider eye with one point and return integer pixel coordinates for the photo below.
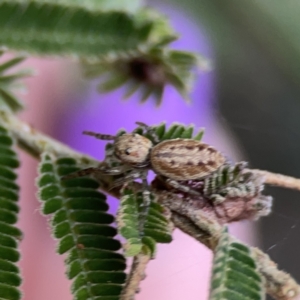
(127, 151)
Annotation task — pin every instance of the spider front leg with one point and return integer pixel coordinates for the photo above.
(146, 191)
(146, 199)
(131, 176)
(183, 188)
(150, 131)
(98, 170)
(100, 136)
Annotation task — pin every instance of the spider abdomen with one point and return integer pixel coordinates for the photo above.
(185, 159)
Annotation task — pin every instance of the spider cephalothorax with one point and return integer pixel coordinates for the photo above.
(133, 149)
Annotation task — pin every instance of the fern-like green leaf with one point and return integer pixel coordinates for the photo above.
(131, 48)
(162, 33)
(151, 70)
(141, 232)
(9, 83)
(227, 176)
(147, 72)
(100, 5)
(9, 234)
(57, 29)
(81, 223)
(235, 276)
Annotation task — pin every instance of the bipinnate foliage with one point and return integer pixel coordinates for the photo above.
(129, 46)
(142, 232)
(10, 235)
(58, 29)
(235, 275)
(9, 83)
(122, 43)
(83, 227)
(145, 72)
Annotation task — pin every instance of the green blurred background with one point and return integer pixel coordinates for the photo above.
(257, 51)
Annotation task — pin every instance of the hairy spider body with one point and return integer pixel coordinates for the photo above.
(185, 159)
(176, 160)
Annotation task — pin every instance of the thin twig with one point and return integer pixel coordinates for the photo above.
(279, 284)
(35, 143)
(278, 179)
(137, 273)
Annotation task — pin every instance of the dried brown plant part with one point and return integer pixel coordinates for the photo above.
(280, 285)
(205, 220)
(235, 206)
(135, 276)
(188, 227)
(284, 181)
(239, 208)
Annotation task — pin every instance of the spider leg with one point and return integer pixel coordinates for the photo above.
(136, 174)
(146, 200)
(99, 170)
(150, 131)
(80, 173)
(146, 192)
(100, 136)
(183, 188)
(127, 178)
(142, 124)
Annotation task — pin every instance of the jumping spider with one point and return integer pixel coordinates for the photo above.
(174, 160)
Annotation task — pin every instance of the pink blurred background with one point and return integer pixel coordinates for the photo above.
(62, 105)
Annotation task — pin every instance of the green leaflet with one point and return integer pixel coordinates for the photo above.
(10, 82)
(155, 227)
(149, 70)
(47, 28)
(146, 72)
(81, 223)
(9, 234)
(175, 131)
(102, 5)
(234, 275)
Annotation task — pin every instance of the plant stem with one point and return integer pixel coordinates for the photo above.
(35, 143)
(278, 179)
(137, 273)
